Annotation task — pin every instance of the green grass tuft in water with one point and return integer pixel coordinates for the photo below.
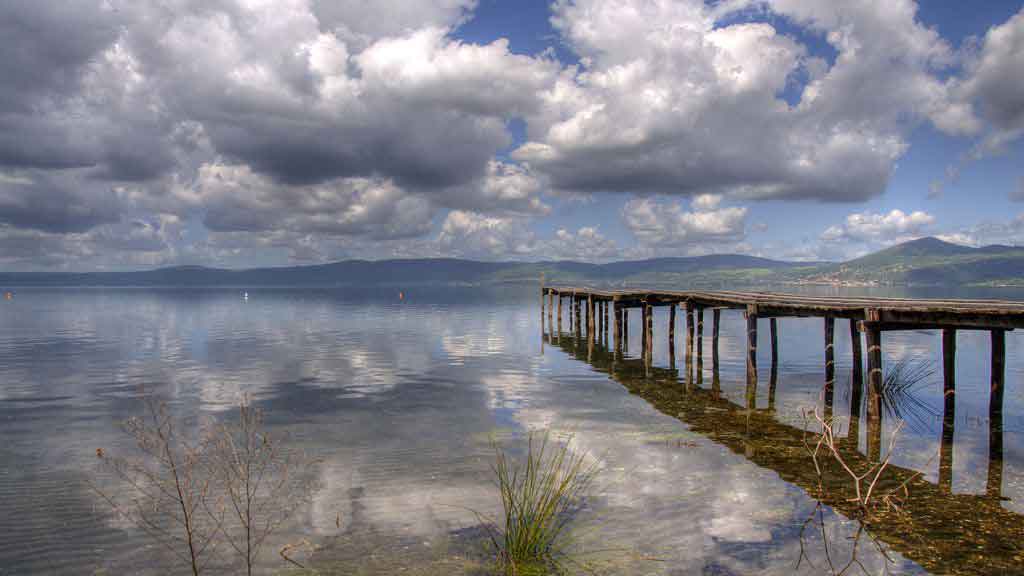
(539, 496)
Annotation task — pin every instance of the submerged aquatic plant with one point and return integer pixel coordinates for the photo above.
(900, 391)
(539, 496)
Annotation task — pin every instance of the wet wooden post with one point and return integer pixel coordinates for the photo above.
(606, 323)
(579, 309)
(994, 484)
(650, 333)
(625, 329)
(773, 375)
(616, 326)
(830, 364)
(873, 335)
(543, 291)
(643, 330)
(591, 319)
(689, 343)
(949, 410)
(751, 315)
(858, 362)
(551, 310)
(572, 315)
(700, 345)
(598, 321)
(716, 318)
(672, 335)
(559, 313)
(856, 385)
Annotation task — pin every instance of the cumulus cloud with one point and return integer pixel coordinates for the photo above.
(669, 99)
(475, 235)
(317, 127)
(864, 232)
(884, 228)
(993, 81)
(234, 198)
(663, 226)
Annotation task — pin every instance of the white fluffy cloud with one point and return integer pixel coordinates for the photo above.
(666, 227)
(993, 81)
(669, 100)
(322, 125)
(895, 226)
(474, 235)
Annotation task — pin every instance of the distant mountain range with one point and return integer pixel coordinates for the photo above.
(923, 262)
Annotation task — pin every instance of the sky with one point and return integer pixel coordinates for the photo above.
(236, 133)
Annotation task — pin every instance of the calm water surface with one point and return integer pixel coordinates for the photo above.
(399, 401)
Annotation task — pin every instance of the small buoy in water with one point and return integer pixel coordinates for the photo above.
(401, 296)
(245, 295)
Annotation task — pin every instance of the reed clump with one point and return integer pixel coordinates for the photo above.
(540, 495)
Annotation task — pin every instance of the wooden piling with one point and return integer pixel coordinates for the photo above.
(591, 320)
(625, 329)
(873, 336)
(830, 363)
(716, 318)
(616, 326)
(949, 410)
(751, 355)
(551, 310)
(700, 345)
(858, 362)
(643, 331)
(672, 335)
(605, 335)
(994, 483)
(856, 387)
(649, 310)
(559, 314)
(689, 336)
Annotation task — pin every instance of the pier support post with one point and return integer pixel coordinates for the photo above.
(617, 326)
(949, 410)
(579, 316)
(649, 340)
(856, 386)
(559, 314)
(700, 345)
(643, 331)
(716, 317)
(625, 329)
(672, 335)
(830, 364)
(873, 335)
(858, 362)
(994, 484)
(773, 375)
(551, 310)
(591, 320)
(689, 344)
(751, 315)
(543, 292)
(605, 333)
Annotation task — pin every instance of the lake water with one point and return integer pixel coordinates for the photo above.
(399, 401)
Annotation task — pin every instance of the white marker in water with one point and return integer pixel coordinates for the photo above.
(245, 295)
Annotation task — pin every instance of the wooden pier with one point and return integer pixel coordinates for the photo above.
(868, 316)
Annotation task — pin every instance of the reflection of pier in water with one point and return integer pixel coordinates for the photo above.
(941, 531)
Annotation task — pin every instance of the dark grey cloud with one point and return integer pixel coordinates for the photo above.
(55, 204)
(46, 47)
